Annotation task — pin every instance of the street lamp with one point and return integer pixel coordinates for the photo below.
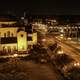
(54, 21)
(60, 52)
(43, 40)
(15, 55)
(77, 64)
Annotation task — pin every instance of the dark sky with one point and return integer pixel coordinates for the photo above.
(41, 7)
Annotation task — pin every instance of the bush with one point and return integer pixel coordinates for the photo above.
(74, 74)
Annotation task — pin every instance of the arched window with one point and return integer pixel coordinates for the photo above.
(8, 33)
(11, 34)
(4, 49)
(14, 48)
(9, 49)
(4, 34)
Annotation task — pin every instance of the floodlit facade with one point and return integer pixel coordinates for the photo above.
(16, 38)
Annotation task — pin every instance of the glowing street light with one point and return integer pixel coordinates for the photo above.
(15, 55)
(60, 52)
(43, 40)
(77, 64)
(54, 21)
(22, 18)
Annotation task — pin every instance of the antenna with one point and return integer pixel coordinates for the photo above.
(24, 14)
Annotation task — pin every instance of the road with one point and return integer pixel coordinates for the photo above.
(16, 69)
(66, 47)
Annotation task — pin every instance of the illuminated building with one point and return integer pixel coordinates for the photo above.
(15, 38)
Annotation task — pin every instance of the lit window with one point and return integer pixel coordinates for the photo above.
(4, 49)
(4, 34)
(9, 49)
(8, 33)
(12, 35)
(14, 48)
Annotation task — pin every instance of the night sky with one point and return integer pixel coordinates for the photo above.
(41, 7)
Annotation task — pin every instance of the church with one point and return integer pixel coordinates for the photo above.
(14, 37)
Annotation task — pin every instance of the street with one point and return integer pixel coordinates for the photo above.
(67, 47)
(16, 69)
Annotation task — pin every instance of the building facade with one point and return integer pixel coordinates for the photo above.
(16, 38)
